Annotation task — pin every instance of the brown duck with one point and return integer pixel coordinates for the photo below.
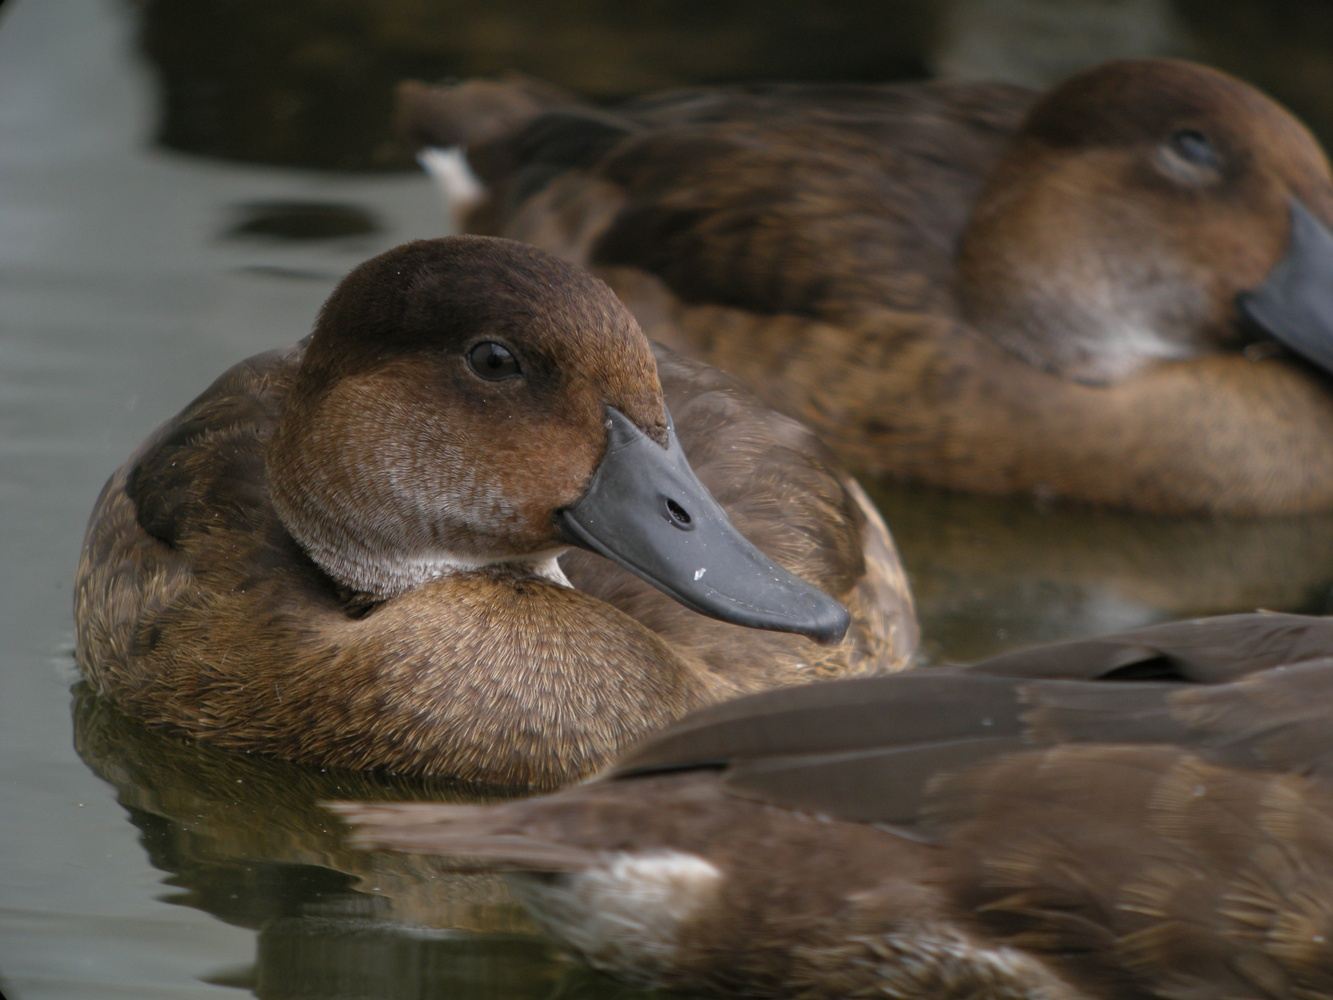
(970, 285)
(345, 552)
(1143, 815)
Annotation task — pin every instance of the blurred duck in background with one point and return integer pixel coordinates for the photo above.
(352, 552)
(1147, 814)
(1119, 291)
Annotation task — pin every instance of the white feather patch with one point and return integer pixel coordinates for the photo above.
(624, 914)
(449, 170)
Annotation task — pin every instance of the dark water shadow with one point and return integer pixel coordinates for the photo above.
(245, 840)
(292, 221)
(310, 82)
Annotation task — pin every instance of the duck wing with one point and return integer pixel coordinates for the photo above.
(1146, 871)
(804, 199)
(776, 198)
(203, 471)
(1085, 831)
(1249, 692)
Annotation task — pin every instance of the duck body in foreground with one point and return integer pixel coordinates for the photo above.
(346, 553)
(969, 285)
(1144, 815)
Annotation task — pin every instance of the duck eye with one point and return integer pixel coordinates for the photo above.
(493, 361)
(1194, 147)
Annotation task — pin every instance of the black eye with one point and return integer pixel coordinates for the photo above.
(493, 361)
(1194, 147)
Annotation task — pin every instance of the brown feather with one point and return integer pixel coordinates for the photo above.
(935, 283)
(1164, 832)
(198, 609)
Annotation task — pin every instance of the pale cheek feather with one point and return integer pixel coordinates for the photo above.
(414, 509)
(413, 571)
(1120, 321)
(436, 491)
(1154, 316)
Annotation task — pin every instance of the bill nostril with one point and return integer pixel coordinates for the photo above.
(678, 515)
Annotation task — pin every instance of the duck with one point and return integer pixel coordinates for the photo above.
(1143, 814)
(355, 552)
(1118, 292)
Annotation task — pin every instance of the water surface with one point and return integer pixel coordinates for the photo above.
(135, 864)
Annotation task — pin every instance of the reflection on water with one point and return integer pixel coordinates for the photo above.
(992, 574)
(309, 82)
(226, 809)
(132, 276)
(245, 840)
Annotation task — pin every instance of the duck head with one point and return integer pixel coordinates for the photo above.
(470, 402)
(1145, 211)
